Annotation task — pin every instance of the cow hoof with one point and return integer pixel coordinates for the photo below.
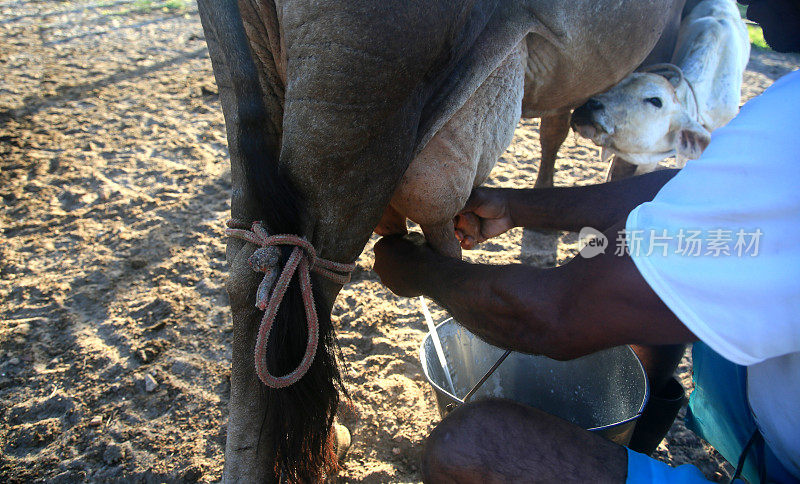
(341, 440)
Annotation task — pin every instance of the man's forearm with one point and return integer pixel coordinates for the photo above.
(572, 208)
(512, 306)
(565, 312)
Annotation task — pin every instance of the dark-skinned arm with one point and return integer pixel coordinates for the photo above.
(491, 211)
(581, 307)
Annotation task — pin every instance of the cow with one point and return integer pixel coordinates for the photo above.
(326, 105)
(671, 109)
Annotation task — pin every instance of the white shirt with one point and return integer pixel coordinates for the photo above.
(741, 196)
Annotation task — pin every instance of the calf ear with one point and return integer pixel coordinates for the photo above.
(691, 139)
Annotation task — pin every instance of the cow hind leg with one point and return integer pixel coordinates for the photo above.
(540, 247)
(642, 169)
(553, 130)
(619, 169)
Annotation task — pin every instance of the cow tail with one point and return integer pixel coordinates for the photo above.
(300, 416)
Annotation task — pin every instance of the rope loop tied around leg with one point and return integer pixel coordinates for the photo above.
(273, 286)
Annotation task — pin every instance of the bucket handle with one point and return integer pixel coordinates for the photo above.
(451, 406)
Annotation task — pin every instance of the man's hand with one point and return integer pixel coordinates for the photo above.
(400, 261)
(486, 215)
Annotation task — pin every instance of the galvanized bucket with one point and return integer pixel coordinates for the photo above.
(604, 392)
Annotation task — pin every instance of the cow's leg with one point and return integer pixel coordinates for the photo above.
(366, 89)
(249, 456)
(619, 169)
(642, 169)
(539, 247)
(553, 130)
(248, 449)
(442, 238)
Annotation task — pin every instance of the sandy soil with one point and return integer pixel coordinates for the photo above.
(114, 326)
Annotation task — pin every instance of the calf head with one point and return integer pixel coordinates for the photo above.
(642, 120)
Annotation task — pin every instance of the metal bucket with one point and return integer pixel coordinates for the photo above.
(604, 392)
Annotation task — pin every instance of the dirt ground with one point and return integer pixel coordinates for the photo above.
(114, 326)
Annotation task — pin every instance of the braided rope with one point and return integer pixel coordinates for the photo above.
(302, 260)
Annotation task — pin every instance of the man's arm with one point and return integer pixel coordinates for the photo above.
(564, 312)
(492, 211)
(598, 206)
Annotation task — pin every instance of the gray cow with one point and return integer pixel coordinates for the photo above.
(327, 104)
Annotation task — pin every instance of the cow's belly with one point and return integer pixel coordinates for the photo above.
(460, 156)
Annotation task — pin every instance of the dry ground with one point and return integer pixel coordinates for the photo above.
(115, 184)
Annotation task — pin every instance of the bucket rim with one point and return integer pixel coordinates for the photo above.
(437, 387)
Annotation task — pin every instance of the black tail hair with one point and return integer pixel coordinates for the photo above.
(299, 416)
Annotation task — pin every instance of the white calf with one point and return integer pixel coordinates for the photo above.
(648, 117)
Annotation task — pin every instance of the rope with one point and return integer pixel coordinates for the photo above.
(681, 78)
(302, 260)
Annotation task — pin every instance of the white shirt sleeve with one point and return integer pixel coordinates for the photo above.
(740, 292)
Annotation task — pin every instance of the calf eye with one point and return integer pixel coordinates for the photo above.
(655, 101)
